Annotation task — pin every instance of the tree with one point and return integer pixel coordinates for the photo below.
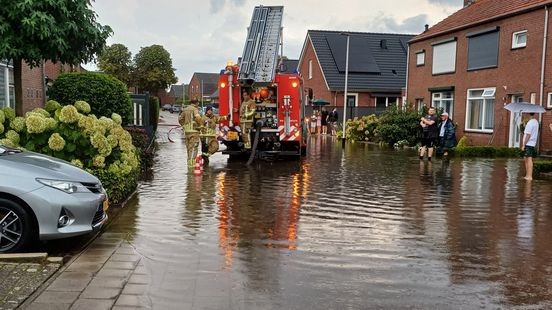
(116, 60)
(37, 30)
(153, 69)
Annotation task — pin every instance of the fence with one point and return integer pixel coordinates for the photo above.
(141, 113)
(352, 112)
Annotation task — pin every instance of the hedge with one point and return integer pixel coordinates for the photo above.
(542, 166)
(486, 151)
(104, 93)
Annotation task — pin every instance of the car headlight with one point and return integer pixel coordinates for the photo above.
(65, 186)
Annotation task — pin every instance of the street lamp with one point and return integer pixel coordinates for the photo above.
(345, 91)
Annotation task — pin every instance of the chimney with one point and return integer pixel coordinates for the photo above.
(468, 2)
(426, 27)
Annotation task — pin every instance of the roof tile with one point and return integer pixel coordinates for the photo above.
(479, 12)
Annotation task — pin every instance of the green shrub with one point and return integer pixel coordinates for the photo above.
(397, 125)
(154, 112)
(486, 151)
(143, 144)
(362, 129)
(462, 143)
(100, 146)
(542, 166)
(104, 93)
(119, 187)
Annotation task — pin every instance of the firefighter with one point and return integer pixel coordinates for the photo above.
(247, 111)
(208, 130)
(190, 120)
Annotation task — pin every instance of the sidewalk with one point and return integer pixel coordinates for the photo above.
(19, 280)
(108, 275)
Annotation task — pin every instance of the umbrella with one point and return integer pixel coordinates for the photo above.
(320, 102)
(524, 107)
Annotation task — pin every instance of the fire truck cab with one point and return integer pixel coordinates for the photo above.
(278, 121)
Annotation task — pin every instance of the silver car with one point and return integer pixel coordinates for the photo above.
(45, 198)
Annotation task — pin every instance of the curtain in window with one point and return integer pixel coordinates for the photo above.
(489, 113)
(3, 94)
(476, 113)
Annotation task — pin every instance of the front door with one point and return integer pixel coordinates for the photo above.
(515, 122)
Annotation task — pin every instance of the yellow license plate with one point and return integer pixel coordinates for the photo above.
(232, 135)
(106, 205)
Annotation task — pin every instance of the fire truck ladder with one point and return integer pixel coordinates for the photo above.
(260, 54)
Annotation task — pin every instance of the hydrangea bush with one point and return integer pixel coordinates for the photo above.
(362, 129)
(99, 145)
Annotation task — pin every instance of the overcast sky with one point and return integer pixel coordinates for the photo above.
(202, 36)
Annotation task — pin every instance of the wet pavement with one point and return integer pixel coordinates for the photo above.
(358, 228)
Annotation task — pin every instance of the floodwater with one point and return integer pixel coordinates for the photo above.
(359, 228)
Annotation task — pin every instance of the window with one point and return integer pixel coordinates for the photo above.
(444, 57)
(420, 58)
(310, 69)
(383, 102)
(443, 100)
(420, 104)
(480, 109)
(549, 100)
(519, 39)
(7, 86)
(483, 49)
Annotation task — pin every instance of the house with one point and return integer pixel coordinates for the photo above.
(179, 92)
(35, 83)
(377, 68)
(484, 56)
(202, 86)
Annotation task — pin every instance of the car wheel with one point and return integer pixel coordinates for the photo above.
(15, 227)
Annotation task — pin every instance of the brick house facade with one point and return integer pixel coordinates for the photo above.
(33, 82)
(202, 86)
(377, 68)
(479, 59)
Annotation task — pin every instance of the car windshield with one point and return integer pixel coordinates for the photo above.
(4, 150)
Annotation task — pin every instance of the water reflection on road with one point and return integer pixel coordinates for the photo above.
(358, 228)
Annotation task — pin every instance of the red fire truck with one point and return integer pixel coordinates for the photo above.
(278, 128)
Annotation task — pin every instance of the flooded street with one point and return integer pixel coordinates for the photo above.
(343, 229)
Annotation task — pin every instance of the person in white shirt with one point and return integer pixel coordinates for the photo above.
(531, 134)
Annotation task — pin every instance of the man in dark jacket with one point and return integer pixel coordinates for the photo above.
(447, 137)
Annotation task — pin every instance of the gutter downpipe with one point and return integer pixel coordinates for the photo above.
(406, 87)
(543, 66)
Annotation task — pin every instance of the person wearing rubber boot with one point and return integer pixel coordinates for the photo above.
(190, 120)
(247, 111)
(208, 132)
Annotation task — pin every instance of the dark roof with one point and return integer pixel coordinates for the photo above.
(377, 61)
(290, 65)
(215, 94)
(210, 81)
(480, 12)
(178, 91)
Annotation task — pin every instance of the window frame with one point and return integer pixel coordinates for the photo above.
(476, 63)
(484, 113)
(6, 68)
(310, 69)
(441, 100)
(549, 104)
(450, 41)
(422, 62)
(515, 35)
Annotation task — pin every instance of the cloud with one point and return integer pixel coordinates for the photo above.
(449, 3)
(414, 24)
(218, 5)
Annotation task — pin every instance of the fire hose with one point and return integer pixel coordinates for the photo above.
(258, 126)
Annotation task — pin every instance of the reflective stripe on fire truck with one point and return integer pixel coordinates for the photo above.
(292, 133)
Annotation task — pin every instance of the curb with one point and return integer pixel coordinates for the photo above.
(32, 297)
(37, 258)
